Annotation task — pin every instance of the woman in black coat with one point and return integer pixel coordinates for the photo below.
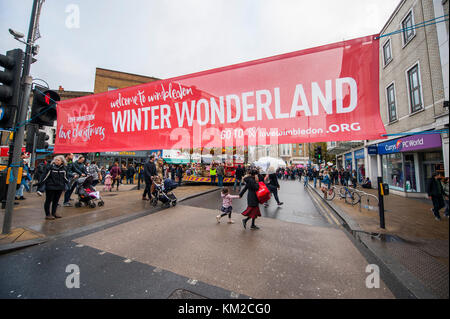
(252, 211)
(54, 180)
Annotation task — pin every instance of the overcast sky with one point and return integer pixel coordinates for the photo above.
(167, 38)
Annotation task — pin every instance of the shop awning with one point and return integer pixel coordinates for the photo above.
(176, 160)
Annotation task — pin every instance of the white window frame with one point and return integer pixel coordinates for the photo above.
(411, 112)
(388, 41)
(411, 11)
(387, 102)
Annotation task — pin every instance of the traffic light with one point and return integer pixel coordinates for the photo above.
(41, 143)
(319, 153)
(43, 109)
(31, 132)
(10, 88)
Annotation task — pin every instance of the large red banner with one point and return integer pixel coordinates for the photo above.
(327, 93)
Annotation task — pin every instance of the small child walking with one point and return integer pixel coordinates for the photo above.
(108, 182)
(226, 205)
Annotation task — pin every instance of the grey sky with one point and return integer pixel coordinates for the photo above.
(167, 38)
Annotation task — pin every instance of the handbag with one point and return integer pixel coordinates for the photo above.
(263, 193)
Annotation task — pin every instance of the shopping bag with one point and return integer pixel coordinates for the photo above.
(263, 193)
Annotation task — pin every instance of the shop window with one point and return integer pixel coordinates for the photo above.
(415, 96)
(393, 170)
(432, 156)
(392, 108)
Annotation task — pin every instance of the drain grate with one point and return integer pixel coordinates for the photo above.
(184, 294)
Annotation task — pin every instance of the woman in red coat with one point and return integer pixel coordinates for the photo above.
(252, 211)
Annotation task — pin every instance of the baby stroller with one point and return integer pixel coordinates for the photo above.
(87, 194)
(163, 192)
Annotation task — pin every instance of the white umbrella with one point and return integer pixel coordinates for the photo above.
(265, 162)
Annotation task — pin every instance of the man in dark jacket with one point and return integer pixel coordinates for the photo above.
(130, 174)
(149, 172)
(179, 174)
(346, 177)
(436, 194)
(220, 174)
(238, 177)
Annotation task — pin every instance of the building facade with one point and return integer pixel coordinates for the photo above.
(300, 153)
(413, 101)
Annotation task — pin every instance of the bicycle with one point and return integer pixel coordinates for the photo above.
(350, 195)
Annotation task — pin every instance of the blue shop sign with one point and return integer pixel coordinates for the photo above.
(359, 154)
(348, 156)
(388, 147)
(372, 149)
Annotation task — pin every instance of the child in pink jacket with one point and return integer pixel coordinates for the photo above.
(108, 182)
(226, 205)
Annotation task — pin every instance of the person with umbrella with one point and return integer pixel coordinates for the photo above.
(273, 185)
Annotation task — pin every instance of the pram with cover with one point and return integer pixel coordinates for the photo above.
(163, 192)
(87, 194)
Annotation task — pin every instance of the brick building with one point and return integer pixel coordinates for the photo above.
(107, 80)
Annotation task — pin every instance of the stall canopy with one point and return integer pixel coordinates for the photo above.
(327, 93)
(176, 161)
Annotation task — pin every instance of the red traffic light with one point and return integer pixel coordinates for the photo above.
(47, 98)
(43, 109)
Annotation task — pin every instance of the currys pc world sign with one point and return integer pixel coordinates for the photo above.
(410, 143)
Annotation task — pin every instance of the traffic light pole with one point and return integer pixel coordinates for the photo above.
(33, 154)
(18, 141)
(20, 120)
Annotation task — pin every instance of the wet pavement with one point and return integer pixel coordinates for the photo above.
(413, 243)
(127, 201)
(297, 205)
(297, 253)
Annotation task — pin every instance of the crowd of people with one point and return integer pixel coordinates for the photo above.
(59, 176)
(331, 176)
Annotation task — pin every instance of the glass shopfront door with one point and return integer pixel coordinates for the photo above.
(410, 173)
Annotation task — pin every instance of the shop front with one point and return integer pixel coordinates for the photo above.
(409, 162)
(348, 161)
(360, 169)
(107, 159)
